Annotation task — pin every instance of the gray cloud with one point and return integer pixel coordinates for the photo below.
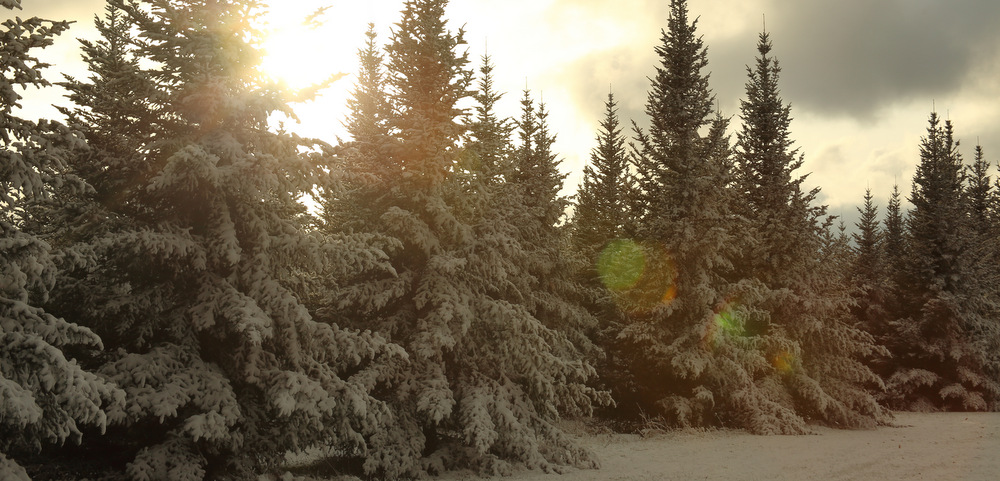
(854, 57)
(590, 78)
(846, 57)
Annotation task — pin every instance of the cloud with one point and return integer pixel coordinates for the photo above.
(857, 57)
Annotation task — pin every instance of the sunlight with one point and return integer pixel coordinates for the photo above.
(302, 46)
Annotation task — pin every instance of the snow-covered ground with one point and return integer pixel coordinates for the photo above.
(940, 446)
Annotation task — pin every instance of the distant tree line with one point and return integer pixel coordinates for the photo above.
(171, 310)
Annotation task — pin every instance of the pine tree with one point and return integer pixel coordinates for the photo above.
(47, 397)
(456, 284)
(983, 284)
(803, 271)
(599, 214)
(683, 345)
(938, 364)
(770, 196)
(197, 279)
(868, 273)
(368, 126)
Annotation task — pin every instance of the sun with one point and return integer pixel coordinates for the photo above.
(302, 49)
(303, 46)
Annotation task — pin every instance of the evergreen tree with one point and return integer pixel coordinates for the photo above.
(771, 197)
(47, 397)
(489, 155)
(804, 272)
(895, 239)
(122, 110)
(868, 273)
(368, 125)
(196, 278)
(457, 283)
(601, 221)
(983, 284)
(554, 294)
(683, 344)
(938, 364)
(600, 209)
(980, 196)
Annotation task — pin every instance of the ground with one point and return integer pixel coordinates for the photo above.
(938, 446)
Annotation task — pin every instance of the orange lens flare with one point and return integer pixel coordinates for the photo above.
(783, 361)
(644, 276)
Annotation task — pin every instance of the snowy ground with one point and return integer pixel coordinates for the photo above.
(941, 446)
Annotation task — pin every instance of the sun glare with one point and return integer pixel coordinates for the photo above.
(300, 46)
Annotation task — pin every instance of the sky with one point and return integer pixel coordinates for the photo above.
(862, 76)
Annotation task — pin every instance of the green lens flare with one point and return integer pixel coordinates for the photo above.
(726, 320)
(621, 264)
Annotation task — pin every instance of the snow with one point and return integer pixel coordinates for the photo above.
(936, 446)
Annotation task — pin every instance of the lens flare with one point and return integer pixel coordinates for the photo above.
(728, 322)
(784, 362)
(724, 322)
(621, 264)
(642, 275)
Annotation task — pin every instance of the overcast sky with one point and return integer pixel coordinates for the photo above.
(861, 75)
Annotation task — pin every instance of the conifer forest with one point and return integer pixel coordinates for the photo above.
(188, 291)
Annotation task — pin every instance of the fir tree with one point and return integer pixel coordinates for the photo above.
(197, 280)
(803, 270)
(979, 194)
(47, 397)
(983, 283)
(770, 197)
(938, 364)
(601, 221)
(895, 236)
(368, 172)
(687, 358)
(869, 274)
(456, 284)
(489, 156)
(599, 214)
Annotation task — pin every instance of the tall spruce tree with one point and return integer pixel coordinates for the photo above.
(980, 196)
(869, 273)
(348, 183)
(938, 363)
(601, 221)
(600, 210)
(489, 155)
(687, 357)
(983, 284)
(485, 379)
(804, 275)
(47, 397)
(771, 197)
(196, 280)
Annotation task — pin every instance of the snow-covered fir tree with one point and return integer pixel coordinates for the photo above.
(869, 273)
(600, 223)
(46, 397)
(806, 278)
(368, 126)
(938, 364)
(983, 290)
(600, 210)
(196, 270)
(688, 357)
(485, 380)
(489, 153)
